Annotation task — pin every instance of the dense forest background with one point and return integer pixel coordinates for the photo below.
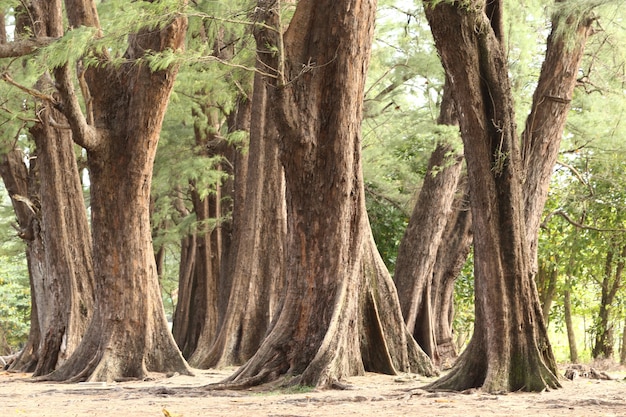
(194, 190)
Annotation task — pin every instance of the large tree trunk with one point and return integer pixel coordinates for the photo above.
(257, 258)
(62, 283)
(128, 335)
(340, 314)
(22, 184)
(67, 242)
(509, 349)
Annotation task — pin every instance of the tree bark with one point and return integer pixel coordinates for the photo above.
(541, 138)
(340, 314)
(67, 242)
(196, 318)
(256, 269)
(569, 325)
(425, 300)
(451, 257)
(417, 252)
(22, 184)
(509, 349)
(128, 335)
(62, 283)
(603, 347)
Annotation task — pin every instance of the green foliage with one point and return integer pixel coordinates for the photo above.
(14, 284)
(15, 293)
(463, 322)
(69, 49)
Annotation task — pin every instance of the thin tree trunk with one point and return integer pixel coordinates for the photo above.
(569, 325)
(546, 279)
(622, 352)
(603, 347)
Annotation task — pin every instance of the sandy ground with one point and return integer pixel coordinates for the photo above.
(370, 395)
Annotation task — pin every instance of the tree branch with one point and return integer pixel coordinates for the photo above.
(23, 47)
(84, 134)
(575, 223)
(30, 91)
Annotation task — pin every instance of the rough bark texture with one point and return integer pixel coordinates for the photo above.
(417, 274)
(451, 256)
(22, 185)
(340, 314)
(196, 317)
(509, 349)
(546, 279)
(62, 282)
(417, 252)
(128, 335)
(257, 257)
(603, 347)
(67, 241)
(541, 138)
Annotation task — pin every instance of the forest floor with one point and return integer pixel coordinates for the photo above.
(370, 395)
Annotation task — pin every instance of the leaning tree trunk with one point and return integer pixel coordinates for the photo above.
(422, 240)
(417, 252)
(509, 349)
(128, 335)
(340, 314)
(541, 138)
(451, 257)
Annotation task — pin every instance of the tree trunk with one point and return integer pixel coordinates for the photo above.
(197, 317)
(569, 325)
(235, 189)
(340, 314)
(63, 287)
(451, 257)
(546, 279)
(128, 335)
(22, 185)
(622, 352)
(541, 138)
(67, 242)
(257, 258)
(417, 252)
(509, 349)
(416, 265)
(603, 347)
